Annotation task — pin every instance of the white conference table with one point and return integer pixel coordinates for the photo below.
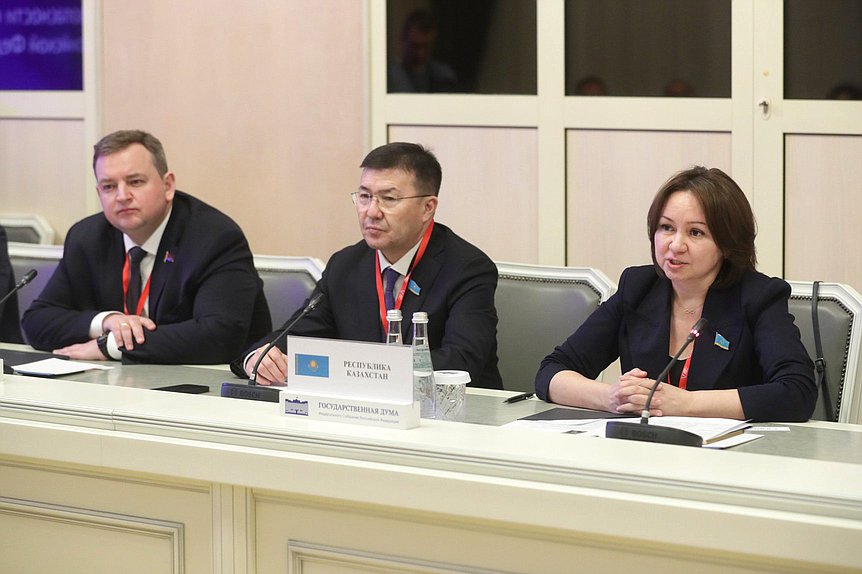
(104, 467)
(813, 440)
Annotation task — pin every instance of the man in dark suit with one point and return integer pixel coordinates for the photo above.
(406, 261)
(158, 277)
(10, 330)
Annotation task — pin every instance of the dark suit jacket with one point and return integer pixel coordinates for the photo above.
(457, 284)
(206, 297)
(10, 330)
(766, 360)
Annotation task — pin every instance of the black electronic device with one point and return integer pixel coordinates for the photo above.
(185, 388)
(251, 392)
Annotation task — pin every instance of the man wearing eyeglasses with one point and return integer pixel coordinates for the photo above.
(406, 261)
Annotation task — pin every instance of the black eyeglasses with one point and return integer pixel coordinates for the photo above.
(385, 203)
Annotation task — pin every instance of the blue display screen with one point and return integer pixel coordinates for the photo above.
(41, 45)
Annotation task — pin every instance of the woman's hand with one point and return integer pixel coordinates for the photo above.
(629, 393)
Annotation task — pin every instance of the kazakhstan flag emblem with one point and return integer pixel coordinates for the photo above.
(312, 365)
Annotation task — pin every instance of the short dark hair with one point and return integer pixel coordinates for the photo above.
(728, 216)
(421, 20)
(411, 158)
(120, 140)
(846, 91)
(590, 81)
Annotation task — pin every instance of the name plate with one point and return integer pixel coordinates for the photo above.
(349, 381)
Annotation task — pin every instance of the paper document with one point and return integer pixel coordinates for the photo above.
(716, 433)
(54, 367)
(710, 429)
(733, 440)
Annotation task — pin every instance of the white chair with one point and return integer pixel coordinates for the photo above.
(27, 229)
(287, 283)
(840, 318)
(538, 308)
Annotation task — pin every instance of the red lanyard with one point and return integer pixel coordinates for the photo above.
(144, 293)
(382, 302)
(683, 377)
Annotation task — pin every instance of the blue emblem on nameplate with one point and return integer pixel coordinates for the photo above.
(312, 365)
(296, 407)
(414, 288)
(721, 342)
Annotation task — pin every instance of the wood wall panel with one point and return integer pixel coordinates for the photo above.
(43, 172)
(95, 521)
(823, 198)
(320, 537)
(612, 177)
(260, 106)
(83, 541)
(489, 192)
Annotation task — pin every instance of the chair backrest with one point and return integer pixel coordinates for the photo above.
(287, 283)
(538, 308)
(27, 229)
(839, 310)
(42, 258)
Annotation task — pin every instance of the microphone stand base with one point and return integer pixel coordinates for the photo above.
(251, 392)
(651, 433)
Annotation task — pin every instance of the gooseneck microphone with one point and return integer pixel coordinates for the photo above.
(312, 303)
(29, 276)
(250, 389)
(643, 431)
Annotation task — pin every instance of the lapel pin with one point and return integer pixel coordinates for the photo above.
(413, 287)
(169, 257)
(721, 342)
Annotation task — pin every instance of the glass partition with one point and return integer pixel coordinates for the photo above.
(456, 46)
(648, 48)
(823, 49)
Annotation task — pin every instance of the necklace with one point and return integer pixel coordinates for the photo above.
(688, 310)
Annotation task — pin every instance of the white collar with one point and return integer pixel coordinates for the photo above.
(151, 245)
(403, 264)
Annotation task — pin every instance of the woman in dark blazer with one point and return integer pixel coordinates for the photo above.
(748, 363)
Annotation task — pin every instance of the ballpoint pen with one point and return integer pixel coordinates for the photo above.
(516, 398)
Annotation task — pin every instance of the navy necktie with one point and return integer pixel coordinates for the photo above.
(390, 276)
(136, 255)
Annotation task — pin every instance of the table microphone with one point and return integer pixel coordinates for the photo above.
(29, 276)
(643, 431)
(251, 390)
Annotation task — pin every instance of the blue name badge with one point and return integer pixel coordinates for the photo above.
(312, 365)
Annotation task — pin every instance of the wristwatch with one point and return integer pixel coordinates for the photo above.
(102, 342)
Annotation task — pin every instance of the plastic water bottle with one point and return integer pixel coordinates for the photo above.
(423, 370)
(393, 333)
